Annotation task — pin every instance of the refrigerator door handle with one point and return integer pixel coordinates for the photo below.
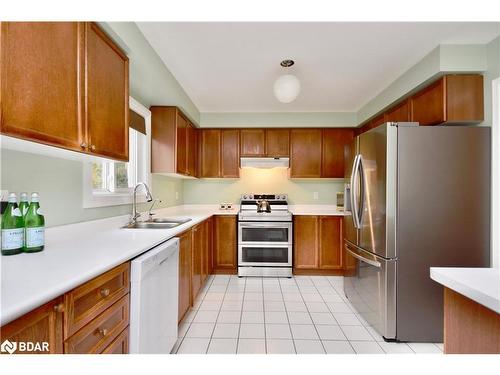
(362, 258)
(361, 176)
(354, 203)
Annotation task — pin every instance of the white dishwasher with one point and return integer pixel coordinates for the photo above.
(154, 294)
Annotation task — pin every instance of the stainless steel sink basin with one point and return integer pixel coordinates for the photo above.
(159, 223)
(170, 220)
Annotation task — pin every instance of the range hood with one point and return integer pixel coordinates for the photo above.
(265, 162)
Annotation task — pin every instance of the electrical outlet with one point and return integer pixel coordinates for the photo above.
(4, 195)
(315, 195)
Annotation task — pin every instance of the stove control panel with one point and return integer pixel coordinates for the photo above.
(257, 197)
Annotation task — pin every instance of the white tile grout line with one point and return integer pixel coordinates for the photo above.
(263, 313)
(218, 313)
(241, 315)
(286, 313)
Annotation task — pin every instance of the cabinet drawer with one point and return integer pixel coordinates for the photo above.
(100, 332)
(85, 302)
(120, 345)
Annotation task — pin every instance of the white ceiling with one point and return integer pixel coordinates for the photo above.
(231, 67)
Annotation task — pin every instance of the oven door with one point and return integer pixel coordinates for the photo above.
(274, 233)
(265, 255)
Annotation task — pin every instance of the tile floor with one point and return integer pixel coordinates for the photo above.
(303, 315)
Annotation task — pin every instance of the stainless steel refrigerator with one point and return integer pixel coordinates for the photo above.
(417, 197)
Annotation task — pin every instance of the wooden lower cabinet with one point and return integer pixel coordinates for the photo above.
(469, 328)
(225, 244)
(185, 264)
(120, 345)
(42, 325)
(96, 336)
(317, 245)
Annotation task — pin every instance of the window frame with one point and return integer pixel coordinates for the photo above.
(106, 198)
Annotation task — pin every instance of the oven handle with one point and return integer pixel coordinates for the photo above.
(265, 225)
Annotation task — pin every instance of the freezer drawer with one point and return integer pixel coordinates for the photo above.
(371, 287)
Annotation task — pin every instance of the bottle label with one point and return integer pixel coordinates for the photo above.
(25, 210)
(12, 238)
(35, 237)
(16, 212)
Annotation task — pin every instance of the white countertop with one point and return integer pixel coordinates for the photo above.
(76, 253)
(481, 285)
(316, 209)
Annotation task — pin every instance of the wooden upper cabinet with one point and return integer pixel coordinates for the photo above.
(192, 151)
(278, 142)
(44, 324)
(210, 153)
(41, 82)
(305, 153)
(330, 242)
(107, 95)
(333, 154)
(224, 243)
(399, 113)
(305, 244)
(253, 142)
(174, 142)
(451, 99)
(64, 84)
(230, 154)
(181, 144)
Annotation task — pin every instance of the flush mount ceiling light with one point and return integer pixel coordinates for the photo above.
(287, 86)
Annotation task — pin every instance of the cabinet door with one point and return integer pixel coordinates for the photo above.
(120, 345)
(464, 98)
(197, 258)
(41, 69)
(204, 256)
(185, 245)
(192, 151)
(305, 153)
(428, 106)
(399, 113)
(278, 142)
(330, 242)
(224, 251)
(230, 158)
(210, 153)
(45, 324)
(107, 95)
(305, 244)
(333, 155)
(181, 144)
(210, 245)
(253, 142)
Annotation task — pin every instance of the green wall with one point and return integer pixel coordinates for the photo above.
(60, 184)
(252, 180)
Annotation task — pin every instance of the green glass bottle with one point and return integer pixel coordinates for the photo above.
(12, 228)
(23, 203)
(35, 226)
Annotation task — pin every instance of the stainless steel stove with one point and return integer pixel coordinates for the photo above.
(265, 236)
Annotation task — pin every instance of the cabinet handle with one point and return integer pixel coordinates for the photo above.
(102, 331)
(83, 145)
(59, 308)
(104, 292)
(92, 147)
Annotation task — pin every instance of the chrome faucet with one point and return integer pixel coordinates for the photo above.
(149, 198)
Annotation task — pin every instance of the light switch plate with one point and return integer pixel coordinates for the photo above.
(4, 195)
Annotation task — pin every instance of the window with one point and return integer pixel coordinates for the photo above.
(110, 183)
(119, 177)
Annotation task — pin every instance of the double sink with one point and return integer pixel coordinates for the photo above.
(159, 223)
